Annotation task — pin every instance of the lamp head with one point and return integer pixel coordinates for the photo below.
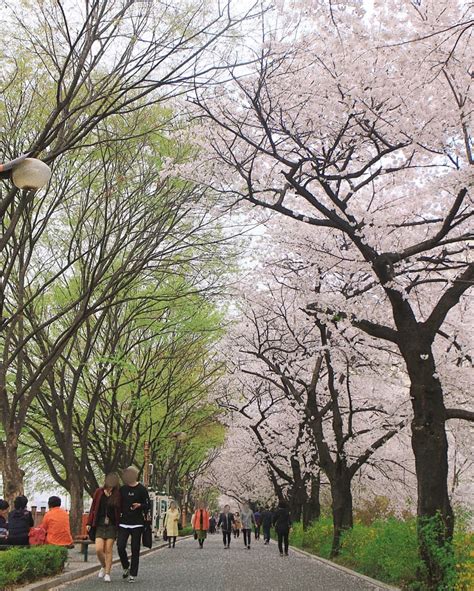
(31, 173)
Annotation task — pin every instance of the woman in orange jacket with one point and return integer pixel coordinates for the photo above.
(200, 523)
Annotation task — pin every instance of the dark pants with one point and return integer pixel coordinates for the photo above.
(23, 541)
(226, 537)
(123, 534)
(257, 532)
(266, 532)
(236, 533)
(283, 540)
(171, 540)
(247, 536)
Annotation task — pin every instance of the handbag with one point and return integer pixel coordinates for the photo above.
(147, 537)
(91, 533)
(165, 535)
(147, 534)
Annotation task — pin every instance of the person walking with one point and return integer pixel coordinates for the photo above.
(102, 524)
(200, 523)
(135, 504)
(282, 523)
(171, 523)
(248, 521)
(56, 524)
(212, 524)
(237, 525)
(20, 521)
(258, 523)
(226, 521)
(267, 521)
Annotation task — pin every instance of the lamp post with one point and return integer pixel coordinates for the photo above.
(26, 173)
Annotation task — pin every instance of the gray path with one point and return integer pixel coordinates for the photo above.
(187, 568)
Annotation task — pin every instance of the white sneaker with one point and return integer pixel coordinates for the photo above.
(101, 573)
(107, 579)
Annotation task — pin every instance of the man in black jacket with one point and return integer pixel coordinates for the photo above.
(267, 521)
(135, 503)
(282, 523)
(226, 520)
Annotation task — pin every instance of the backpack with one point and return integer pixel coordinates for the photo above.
(37, 536)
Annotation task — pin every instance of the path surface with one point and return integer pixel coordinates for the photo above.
(187, 568)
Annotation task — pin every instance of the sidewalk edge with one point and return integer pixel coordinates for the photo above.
(345, 570)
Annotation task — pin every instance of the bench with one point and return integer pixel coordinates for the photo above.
(84, 543)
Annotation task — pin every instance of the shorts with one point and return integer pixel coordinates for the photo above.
(106, 532)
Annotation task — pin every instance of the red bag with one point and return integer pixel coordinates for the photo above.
(37, 536)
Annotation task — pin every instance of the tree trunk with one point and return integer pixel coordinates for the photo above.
(12, 474)
(296, 504)
(77, 505)
(341, 508)
(312, 508)
(430, 447)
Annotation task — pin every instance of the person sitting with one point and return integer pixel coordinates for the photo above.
(56, 524)
(20, 521)
(4, 506)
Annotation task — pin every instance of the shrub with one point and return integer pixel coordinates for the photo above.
(186, 531)
(23, 565)
(373, 509)
(387, 550)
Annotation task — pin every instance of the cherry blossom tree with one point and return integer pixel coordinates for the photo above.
(357, 125)
(321, 377)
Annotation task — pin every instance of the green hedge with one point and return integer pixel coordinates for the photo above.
(387, 550)
(186, 531)
(24, 565)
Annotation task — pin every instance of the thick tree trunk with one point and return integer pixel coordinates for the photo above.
(77, 505)
(296, 504)
(312, 508)
(341, 508)
(12, 474)
(430, 447)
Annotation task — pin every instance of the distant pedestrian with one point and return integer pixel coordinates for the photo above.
(258, 523)
(282, 523)
(171, 523)
(56, 524)
(226, 522)
(237, 525)
(213, 524)
(4, 506)
(20, 521)
(200, 523)
(135, 503)
(102, 525)
(267, 521)
(248, 522)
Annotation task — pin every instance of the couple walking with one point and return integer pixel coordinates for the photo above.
(119, 513)
(227, 522)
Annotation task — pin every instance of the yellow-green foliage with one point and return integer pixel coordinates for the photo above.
(387, 550)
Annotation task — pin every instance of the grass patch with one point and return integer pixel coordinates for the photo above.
(387, 550)
(24, 565)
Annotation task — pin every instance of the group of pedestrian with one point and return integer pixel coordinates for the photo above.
(246, 520)
(120, 512)
(17, 527)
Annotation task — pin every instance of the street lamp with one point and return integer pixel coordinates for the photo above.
(26, 173)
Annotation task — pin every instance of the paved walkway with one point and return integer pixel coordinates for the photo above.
(187, 568)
